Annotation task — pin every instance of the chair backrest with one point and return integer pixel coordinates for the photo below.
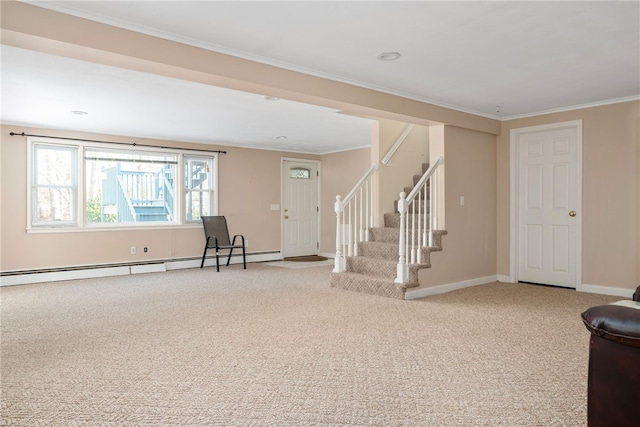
(216, 226)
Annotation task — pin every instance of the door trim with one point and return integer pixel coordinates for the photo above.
(513, 196)
(297, 159)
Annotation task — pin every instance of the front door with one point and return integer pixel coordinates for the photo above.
(300, 210)
(548, 206)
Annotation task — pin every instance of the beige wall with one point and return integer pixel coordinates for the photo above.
(339, 173)
(406, 162)
(469, 248)
(610, 192)
(436, 149)
(249, 182)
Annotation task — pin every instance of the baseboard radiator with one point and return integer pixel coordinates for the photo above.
(25, 277)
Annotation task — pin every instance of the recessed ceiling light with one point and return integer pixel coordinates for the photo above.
(389, 56)
(79, 113)
(281, 137)
(271, 98)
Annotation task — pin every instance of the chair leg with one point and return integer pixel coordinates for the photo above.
(217, 261)
(244, 258)
(229, 257)
(203, 255)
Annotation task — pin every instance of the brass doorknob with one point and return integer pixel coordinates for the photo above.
(572, 213)
(286, 217)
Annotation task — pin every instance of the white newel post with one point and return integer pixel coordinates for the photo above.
(403, 267)
(339, 264)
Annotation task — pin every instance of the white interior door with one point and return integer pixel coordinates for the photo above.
(300, 210)
(548, 206)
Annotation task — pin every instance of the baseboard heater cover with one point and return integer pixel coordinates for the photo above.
(93, 271)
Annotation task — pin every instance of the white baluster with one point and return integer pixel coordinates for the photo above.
(436, 197)
(425, 219)
(372, 221)
(339, 264)
(367, 210)
(356, 231)
(413, 231)
(420, 227)
(363, 217)
(350, 231)
(433, 209)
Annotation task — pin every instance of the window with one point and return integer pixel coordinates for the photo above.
(198, 187)
(129, 187)
(54, 185)
(93, 185)
(303, 173)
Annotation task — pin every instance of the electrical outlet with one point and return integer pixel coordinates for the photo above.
(246, 243)
(133, 250)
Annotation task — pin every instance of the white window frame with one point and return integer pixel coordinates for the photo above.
(33, 188)
(80, 224)
(213, 181)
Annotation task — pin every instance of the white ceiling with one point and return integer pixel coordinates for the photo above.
(525, 57)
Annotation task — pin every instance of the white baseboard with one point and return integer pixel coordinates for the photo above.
(152, 267)
(504, 279)
(261, 257)
(148, 268)
(56, 276)
(606, 290)
(441, 289)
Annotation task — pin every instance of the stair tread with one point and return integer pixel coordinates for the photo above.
(435, 232)
(382, 281)
(388, 261)
(441, 232)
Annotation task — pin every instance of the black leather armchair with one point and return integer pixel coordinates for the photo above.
(613, 395)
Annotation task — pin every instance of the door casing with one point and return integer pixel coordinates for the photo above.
(283, 163)
(514, 188)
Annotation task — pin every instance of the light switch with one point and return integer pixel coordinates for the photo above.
(461, 200)
(275, 207)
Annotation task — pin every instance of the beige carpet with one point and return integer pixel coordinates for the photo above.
(279, 347)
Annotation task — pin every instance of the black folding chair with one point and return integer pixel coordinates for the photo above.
(217, 235)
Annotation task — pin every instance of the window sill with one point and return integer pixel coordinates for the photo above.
(94, 229)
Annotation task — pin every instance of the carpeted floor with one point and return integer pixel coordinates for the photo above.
(279, 347)
(300, 264)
